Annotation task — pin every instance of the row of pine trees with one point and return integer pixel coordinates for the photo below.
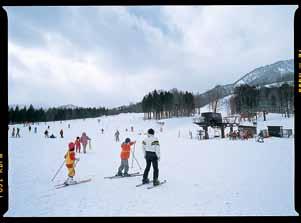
(160, 104)
(167, 104)
(30, 114)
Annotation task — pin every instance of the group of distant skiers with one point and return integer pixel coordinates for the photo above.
(150, 146)
(14, 134)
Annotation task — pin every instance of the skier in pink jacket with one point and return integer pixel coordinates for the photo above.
(84, 140)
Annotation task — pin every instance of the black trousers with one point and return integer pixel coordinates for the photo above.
(151, 158)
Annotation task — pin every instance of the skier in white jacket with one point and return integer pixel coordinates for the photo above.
(151, 149)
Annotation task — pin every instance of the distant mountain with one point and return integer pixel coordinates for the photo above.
(269, 75)
(69, 106)
(277, 72)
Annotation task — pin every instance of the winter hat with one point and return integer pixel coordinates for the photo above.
(71, 146)
(127, 140)
(151, 132)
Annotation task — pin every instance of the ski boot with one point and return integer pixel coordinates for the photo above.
(145, 181)
(126, 174)
(156, 182)
(119, 174)
(69, 181)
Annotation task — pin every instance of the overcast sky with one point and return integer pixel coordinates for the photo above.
(111, 56)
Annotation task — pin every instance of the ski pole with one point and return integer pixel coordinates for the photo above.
(133, 156)
(90, 147)
(58, 171)
(76, 163)
(137, 162)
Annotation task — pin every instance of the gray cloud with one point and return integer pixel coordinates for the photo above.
(109, 56)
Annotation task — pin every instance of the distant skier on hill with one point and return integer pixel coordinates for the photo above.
(77, 144)
(125, 155)
(29, 128)
(151, 149)
(18, 133)
(117, 136)
(46, 134)
(84, 140)
(52, 136)
(13, 133)
(35, 129)
(62, 133)
(70, 163)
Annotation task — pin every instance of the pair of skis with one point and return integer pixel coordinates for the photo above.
(58, 186)
(124, 176)
(153, 186)
(135, 175)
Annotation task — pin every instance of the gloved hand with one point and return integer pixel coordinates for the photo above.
(77, 159)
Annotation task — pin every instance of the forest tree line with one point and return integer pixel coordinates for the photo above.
(160, 104)
(167, 104)
(30, 114)
(278, 99)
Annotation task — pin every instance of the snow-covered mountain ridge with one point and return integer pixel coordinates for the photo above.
(269, 74)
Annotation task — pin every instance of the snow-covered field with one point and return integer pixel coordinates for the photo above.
(205, 177)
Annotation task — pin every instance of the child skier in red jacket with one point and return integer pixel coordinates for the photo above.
(125, 155)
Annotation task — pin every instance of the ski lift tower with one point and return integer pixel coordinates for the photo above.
(210, 119)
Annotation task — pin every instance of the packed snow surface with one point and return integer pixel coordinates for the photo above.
(204, 177)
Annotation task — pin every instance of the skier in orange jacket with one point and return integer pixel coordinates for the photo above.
(125, 155)
(70, 163)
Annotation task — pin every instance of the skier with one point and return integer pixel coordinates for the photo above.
(132, 129)
(35, 129)
(46, 134)
(125, 155)
(68, 126)
(151, 149)
(29, 128)
(84, 140)
(62, 133)
(117, 136)
(102, 130)
(48, 127)
(52, 136)
(69, 160)
(77, 144)
(190, 134)
(260, 137)
(18, 133)
(13, 132)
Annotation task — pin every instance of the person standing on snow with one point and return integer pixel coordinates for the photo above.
(13, 133)
(62, 133)
(125, 155)
(84, 140)
(18, 133)
(151, 149)
(46, 134)
(117, 136)
(70, 163)
(77, 144)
